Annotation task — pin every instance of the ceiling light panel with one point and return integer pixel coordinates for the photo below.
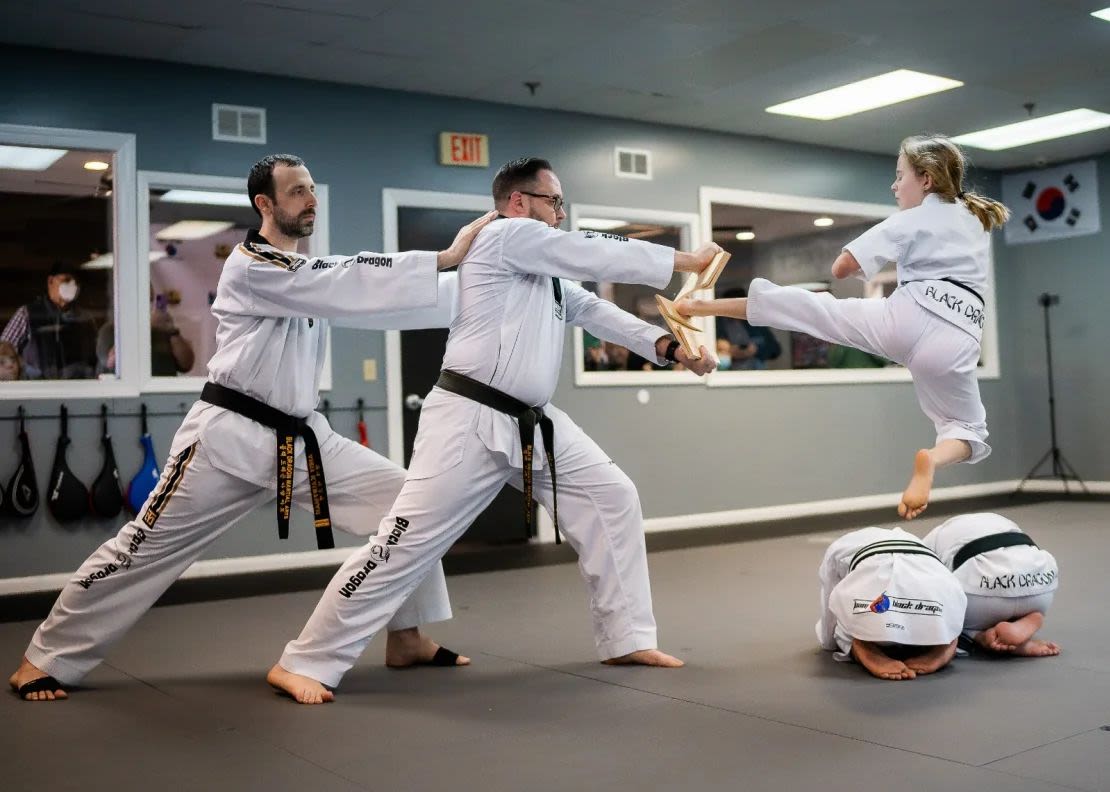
(1058, 125)
(29, 159)
(205, 197)
(885, 89)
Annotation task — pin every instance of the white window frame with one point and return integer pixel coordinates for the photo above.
(318, 245)
(690, 235)
(392, 200)
(707, 196)
(124, 252)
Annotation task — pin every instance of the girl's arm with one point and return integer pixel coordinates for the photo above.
(845, 266)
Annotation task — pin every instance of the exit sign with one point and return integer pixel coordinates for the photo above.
(464, 148)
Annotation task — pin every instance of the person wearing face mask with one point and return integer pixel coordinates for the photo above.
(55, 339)
(932, 324)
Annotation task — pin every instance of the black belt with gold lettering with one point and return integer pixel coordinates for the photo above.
(287, 428)
(984, 544)
(527, 418)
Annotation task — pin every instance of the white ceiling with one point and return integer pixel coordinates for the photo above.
(712, 64)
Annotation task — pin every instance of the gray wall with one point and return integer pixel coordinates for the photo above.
(746, 447)
(1079, 271)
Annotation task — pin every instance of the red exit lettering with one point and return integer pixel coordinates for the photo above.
(466, 148)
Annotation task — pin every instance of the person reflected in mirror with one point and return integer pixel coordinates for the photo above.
(53, 336)
(11, 367)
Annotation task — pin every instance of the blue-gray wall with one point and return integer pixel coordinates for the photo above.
(1078, 270)
(740, 447)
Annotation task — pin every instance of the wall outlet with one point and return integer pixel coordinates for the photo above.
(369, 369)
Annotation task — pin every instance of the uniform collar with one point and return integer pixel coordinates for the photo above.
(256, 238)
(931, 198)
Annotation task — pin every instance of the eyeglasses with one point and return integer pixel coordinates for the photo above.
(557, 201)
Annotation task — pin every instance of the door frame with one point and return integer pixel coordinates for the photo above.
(392, 201)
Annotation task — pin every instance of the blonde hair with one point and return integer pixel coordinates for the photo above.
(942, 159)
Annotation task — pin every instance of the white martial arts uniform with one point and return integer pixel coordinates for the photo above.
(905, 597)
(222, 465)
(514, 307)
(931, 326)
(1001, 584)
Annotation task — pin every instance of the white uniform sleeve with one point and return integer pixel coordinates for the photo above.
(536, 248)
(605, 320)
(828, 576)
(879, 245)
(329, 287)
(439, 315)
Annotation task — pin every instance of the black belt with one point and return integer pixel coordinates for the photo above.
(985, 544)
(953, 281)
(904, 546)
(287, 428)
(527, 418)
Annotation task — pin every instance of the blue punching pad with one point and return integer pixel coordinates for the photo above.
(146, 479)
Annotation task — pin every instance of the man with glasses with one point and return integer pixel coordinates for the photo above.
(517, 293)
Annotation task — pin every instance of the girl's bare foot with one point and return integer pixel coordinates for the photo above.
(302, 689)
(933, 659)
(916, 497)
(1016, 637)
(648, 657)
(878, 663)
(29, 673)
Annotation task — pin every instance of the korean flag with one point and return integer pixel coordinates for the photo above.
(1052, 203)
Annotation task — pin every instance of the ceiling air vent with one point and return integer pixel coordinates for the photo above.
(633, 163)
(238, 124)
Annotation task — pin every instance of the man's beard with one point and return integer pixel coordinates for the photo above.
(296, 226)
(534, 215)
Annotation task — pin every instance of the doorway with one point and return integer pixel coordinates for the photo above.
(421, 353)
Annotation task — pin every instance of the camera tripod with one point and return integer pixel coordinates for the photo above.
(1061, 468)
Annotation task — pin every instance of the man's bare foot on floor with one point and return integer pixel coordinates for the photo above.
(404, 648)
(933, 659)
(29, 673)
(302, 689)
(648, 657)
(915, 499)
(1037, 648)
(878, 663)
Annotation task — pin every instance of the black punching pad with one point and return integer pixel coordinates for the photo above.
(67, 497)
(107, 492)
(23, 491)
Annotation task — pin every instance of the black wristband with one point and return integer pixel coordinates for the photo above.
(671, 349)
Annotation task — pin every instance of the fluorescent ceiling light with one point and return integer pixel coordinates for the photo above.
(107, 260)
(187, 230)
(205, 197)
(745, 236)
(1103, 14)
(96, 165)
(886, 89)
(600, 223)
(29, 159)
(1072, 122)
(823, 222)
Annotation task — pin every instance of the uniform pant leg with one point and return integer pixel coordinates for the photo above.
(869, 325)
(429, 515)
(362, 486)
(600, 515)
(192, 505)
(944, 367)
